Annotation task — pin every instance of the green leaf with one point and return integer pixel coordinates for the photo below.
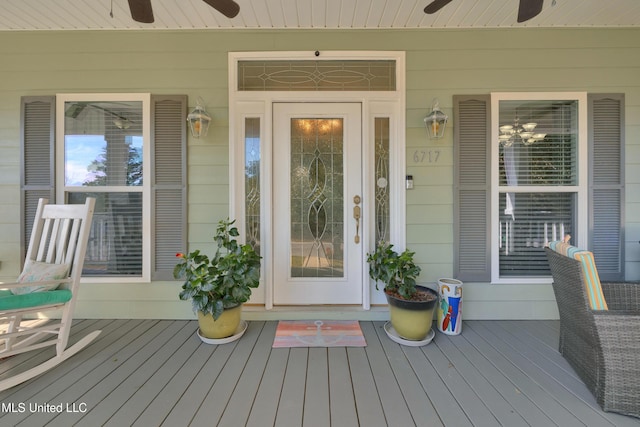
(224, 280)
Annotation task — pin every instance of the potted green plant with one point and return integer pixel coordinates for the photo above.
(218, 286)
(410, 306)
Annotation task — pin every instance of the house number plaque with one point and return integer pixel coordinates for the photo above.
(426, 156)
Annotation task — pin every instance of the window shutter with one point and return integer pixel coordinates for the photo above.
(169, 183)
(472, 116)
(606, 183)
(36, 159)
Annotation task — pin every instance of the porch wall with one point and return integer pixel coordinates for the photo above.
(440, 63)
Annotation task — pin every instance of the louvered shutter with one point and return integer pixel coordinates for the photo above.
(606, 183)
(36, 159)
(472, 188)
(169, 183)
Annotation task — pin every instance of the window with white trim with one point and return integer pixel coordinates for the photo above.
(103, 152)
(539, 179)
(160, 179)
(586, 179)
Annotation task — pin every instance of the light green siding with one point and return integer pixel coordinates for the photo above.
(440, 63)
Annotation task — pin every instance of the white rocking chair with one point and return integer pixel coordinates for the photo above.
(50, 280)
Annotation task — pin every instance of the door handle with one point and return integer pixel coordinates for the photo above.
(356, 216)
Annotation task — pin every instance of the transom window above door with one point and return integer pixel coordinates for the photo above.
(317, 75)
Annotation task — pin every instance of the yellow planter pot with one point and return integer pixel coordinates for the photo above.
(412, 320)
(225, 326)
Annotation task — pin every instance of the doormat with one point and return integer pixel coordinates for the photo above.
(319, 333)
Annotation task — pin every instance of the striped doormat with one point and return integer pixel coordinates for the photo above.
(319, 333)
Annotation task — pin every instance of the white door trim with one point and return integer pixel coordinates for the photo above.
(346, 287)
(245, 104)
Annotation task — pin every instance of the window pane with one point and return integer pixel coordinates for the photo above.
(252, 181)
(115, 243)
(538, 143)
(382, 178)
(338, 75)
(528, 221)
(103, 143)
(317, 199)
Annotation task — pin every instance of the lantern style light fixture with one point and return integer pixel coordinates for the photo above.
(199, 120)
(436, 121)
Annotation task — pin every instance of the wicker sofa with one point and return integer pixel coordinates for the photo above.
(602, 345)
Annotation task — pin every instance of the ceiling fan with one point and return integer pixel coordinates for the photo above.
(527, 9)
(142, 11)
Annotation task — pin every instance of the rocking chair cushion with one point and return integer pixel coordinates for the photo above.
(35, 271)
(9, 301)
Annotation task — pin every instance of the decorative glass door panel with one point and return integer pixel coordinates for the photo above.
(317, 221)
(317, 173)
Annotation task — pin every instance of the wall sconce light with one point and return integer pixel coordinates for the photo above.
(435, 121)
(199, 120)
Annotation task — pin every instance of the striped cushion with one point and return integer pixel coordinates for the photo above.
(589, 270)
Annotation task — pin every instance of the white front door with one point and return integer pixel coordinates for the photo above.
(318, 256)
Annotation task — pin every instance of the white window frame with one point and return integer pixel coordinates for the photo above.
(581, 189)
(62, 189)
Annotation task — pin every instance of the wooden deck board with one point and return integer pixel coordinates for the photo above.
(265, 405)
(215, 402)
(155, 412)
(134, 367)
(393, 403)
(463, 395)
(551, 363)
(132, 379)
(28, 360)
(531, 389)
(238, 409)
(471, 345)
(292, 397)
(69, 380)
(316, 403)
(367, 401)
(155, 377)
(187, 405)
(420, 407)
(157, 372)
(565, 388)
(341, 394)
(501, 409)
(448, 408)
(567, 412)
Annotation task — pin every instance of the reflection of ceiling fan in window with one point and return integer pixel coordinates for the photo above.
(115, 110)
(527, 9)
(142, 11)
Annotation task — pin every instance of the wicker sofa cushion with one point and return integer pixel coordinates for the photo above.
(592, 285)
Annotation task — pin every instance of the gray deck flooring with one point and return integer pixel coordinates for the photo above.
(158, 373)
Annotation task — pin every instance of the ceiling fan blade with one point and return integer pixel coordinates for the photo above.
(529, 9)
(436, 5)
(228, 8)
(141, 11)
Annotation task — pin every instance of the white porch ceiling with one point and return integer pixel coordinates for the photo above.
(17, 15)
